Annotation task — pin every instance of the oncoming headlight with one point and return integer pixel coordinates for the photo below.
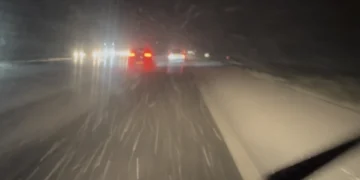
(95, 53)
(82, 54)
(207, 55)
(79, 54)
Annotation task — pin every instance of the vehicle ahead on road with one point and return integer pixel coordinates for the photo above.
(177, 56)
(140, 57)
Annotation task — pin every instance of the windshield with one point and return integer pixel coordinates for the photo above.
(179, 90)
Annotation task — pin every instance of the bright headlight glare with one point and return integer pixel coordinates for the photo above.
(79, 54)
(95, 53)
(82, 54)
(123, 53)
(176, 56)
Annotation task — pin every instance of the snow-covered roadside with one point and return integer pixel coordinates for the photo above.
(21, 84)
(342, 91)
(30, 89)
(7, 68)
(337, 89)
(273, 125)
(62, 108)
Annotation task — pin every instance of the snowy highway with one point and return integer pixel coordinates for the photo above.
(194, 121)
(94, 120)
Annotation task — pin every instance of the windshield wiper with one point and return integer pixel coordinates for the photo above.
(308, 166)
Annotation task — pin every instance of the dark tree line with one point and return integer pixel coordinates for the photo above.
(274, 30)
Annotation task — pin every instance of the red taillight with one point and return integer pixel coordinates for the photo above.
(132, 54)
(147, 55)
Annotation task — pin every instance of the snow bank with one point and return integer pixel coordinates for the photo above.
(273, 125)
(342, 91)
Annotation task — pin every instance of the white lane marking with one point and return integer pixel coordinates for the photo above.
(137, 168)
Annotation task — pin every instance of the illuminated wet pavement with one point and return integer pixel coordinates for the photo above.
(99, 120)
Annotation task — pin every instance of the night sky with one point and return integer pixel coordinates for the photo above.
(271, 29)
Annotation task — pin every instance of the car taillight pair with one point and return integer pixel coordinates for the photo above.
(148, 55)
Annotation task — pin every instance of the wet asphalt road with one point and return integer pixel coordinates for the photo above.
(95, 121)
